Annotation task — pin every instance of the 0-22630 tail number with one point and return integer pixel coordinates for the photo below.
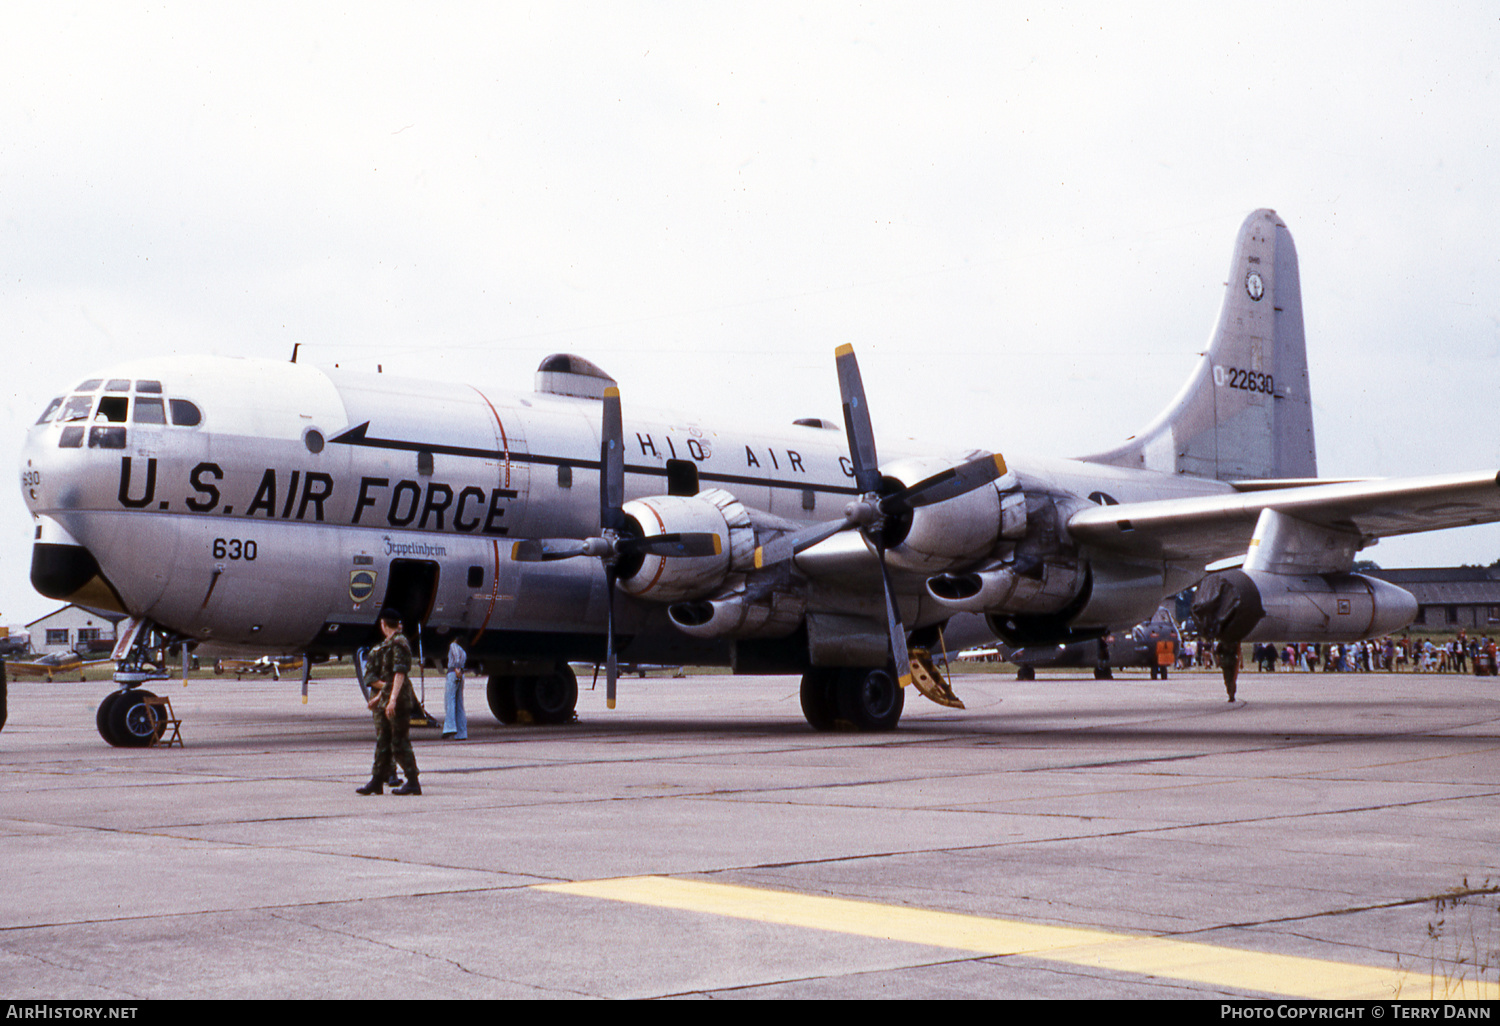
(1245, 380)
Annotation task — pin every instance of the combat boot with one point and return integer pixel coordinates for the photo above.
(410, 787)
(373, 787)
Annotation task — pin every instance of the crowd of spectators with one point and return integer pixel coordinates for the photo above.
(1396, 655)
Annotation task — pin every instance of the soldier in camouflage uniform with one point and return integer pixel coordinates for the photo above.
(390, 667)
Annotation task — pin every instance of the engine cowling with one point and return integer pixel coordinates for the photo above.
(675, 578)
(1252, 605)
(953, 532)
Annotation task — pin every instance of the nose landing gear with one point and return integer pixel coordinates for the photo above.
(124, 719)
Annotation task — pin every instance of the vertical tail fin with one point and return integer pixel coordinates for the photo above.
(1246, 412)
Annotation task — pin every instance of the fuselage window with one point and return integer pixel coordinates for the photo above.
(112, 409)
(149, 411)
(50, 410)
(151, 387)
(77, 408)
(185, 414)
(118, 385)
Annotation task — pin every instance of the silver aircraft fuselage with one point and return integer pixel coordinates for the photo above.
(271, 505)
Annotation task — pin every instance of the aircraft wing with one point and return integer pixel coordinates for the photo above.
(1210, 528)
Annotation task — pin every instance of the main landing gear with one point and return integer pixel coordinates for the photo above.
(861, 698)
(546, 698)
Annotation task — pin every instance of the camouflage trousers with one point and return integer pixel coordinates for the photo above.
(393, 741)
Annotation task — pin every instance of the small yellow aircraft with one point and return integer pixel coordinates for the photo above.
(51, 665)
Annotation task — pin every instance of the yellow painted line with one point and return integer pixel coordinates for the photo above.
(1210, 964)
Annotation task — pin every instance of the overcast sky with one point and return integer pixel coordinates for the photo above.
(1021, 215)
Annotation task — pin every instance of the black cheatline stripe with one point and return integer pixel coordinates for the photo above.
(357, 436)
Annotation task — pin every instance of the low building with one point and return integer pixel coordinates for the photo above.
(70, 627)
(1451, 598)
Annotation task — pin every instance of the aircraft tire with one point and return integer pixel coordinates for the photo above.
(820, 703)
(870, 700)
(1026, 673)
(501, 693)
(131, 722)
(550, 699)
(103, 719)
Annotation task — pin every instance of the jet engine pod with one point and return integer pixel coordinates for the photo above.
(947, 533)
(675, 578)
(1300, 607)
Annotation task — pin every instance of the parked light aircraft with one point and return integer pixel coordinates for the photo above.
(278, 507)
(50, 665)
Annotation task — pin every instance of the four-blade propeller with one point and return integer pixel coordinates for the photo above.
(879, 502)
(876, 507)
(615, 541)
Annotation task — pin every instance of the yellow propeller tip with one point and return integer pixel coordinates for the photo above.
(844, 350)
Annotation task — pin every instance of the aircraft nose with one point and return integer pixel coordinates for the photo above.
(61, 571)
(64, 570)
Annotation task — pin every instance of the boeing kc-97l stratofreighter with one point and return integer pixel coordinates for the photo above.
(279, 507)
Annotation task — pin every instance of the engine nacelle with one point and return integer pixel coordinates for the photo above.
(675, 578)
(953, 532)
(733, 614)
(1046, 588)
(1252, 605)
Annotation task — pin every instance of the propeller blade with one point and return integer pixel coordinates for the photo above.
(545, 550)
(611, 667)
(678, 544)
(899, 655)
(611, 464)
(784, 548)
(946, 484)
(857, 421)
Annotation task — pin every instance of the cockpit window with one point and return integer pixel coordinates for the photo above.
(153, 387)
(112, 409)
(88, 386)
(50, 410)
(76, 408)
(185, 414)
(106, 437)
(149, 411)
(118, 385)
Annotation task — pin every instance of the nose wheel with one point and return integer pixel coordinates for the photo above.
(125, 721)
